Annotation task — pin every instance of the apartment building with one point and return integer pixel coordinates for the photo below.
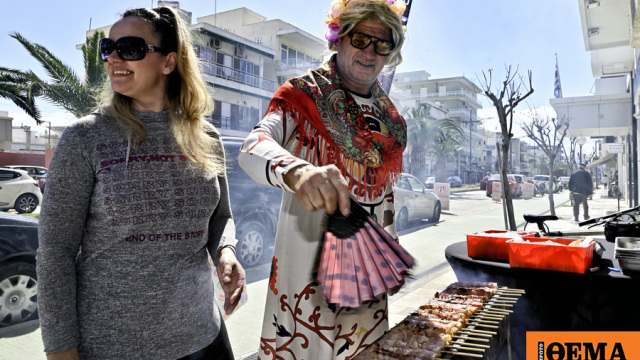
(458, 98)
(245, 58)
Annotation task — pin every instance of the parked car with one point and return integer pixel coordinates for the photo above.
(514, 186)
(545, 179)
(36, 172)
(429, 184)
(255, 209)
(454, 181)
(18, 281)
(413, 202)
(564, 181)
(520, 179)
(18, 191)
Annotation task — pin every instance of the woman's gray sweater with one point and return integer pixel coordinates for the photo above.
(123, 269)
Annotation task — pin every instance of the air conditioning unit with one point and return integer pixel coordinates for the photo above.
(214, 43)
(240, 52)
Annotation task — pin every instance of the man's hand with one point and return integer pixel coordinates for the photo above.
(232, 278)
(318, 187)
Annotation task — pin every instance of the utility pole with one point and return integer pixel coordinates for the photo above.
(470, 122)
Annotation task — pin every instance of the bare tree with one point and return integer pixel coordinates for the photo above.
(571, 157)
(507, 96)
(549, 134)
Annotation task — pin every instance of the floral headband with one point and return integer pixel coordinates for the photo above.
(338, 6)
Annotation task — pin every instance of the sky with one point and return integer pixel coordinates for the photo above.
(446, 38)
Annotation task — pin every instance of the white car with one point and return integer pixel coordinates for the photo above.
(18, 191)
(430, 182)
(414, 202)
(545, 180)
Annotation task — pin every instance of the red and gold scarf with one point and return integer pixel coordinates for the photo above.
(335, 131)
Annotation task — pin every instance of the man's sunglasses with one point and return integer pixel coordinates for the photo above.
(129, 48)
(362, 41)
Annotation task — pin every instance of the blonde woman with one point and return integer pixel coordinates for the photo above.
(330, 135)
(137, 201)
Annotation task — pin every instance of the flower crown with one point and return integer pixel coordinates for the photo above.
(338, 6)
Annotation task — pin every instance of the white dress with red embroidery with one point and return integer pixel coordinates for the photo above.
(298, 322)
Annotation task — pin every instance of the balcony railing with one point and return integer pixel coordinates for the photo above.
(236, 75)
(297, 64)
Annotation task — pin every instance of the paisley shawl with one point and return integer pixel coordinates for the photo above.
(335, 130)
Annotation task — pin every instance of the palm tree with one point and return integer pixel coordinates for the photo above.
(446, 142)
(65, 88)
(422, 131)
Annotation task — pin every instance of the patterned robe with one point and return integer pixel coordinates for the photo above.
(313, 120)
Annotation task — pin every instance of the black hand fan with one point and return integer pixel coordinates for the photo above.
(358, 259)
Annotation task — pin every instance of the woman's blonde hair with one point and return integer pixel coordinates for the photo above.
(188, 96)
(358, 11)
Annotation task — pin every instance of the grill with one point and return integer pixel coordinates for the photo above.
(467, 320)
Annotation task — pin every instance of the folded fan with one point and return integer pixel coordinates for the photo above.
(358, 259)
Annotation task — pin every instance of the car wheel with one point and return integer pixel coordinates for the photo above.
(436, 214)
(18, 293)
(251, 244)
(26, 203)
(403, 219)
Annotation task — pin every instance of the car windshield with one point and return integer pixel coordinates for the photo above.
(541, 177)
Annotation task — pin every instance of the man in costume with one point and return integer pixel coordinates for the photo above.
(329, 135)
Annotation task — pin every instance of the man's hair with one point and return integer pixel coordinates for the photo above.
(358, 11)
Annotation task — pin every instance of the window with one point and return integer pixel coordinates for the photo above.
(416, 185)
(6, 175)
(294, 58)
(404, 184)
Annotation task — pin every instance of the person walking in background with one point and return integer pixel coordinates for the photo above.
(137, 203)
(485, 179)
(581, 187)
(327, 136)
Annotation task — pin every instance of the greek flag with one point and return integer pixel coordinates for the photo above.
(557, 88)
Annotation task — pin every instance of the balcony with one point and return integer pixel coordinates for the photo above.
(297, 64)
(468, 96)
(228, 73)
(294, 67)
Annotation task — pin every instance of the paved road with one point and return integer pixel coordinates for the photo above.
(469, 212)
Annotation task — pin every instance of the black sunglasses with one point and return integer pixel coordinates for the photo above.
(362, 41)
(129, 48)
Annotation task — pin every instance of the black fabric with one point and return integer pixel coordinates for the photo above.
(577, 200)
(581, 182)
(219, 349)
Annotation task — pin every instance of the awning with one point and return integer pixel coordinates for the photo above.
(603, 160)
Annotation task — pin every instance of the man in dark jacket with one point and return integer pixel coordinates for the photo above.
(581, 186)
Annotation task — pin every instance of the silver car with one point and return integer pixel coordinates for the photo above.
(414, 202)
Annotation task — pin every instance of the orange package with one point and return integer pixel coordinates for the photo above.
(492, 244)
(557, 254)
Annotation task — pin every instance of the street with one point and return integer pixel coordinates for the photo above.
(469, 212)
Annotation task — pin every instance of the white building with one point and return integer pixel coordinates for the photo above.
(458, 98)
(612, 36)
(245, 58)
